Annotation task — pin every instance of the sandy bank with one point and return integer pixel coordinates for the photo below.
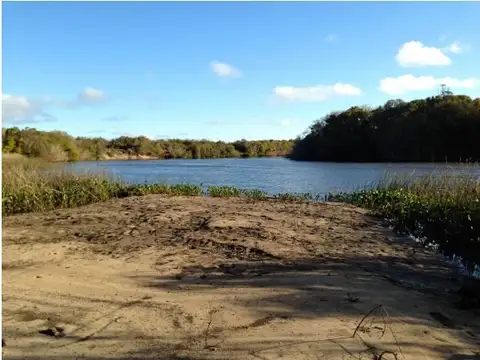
(203, 278)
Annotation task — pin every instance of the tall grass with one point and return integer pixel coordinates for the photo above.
(31, 186)
(440, 209)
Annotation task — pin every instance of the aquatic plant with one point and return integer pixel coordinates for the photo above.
(441, 210)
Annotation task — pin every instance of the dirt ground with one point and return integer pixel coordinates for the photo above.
(202, 278)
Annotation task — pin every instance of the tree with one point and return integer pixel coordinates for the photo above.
(439, 128)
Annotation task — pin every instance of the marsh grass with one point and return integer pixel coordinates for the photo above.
(30, 185)
(442, 210)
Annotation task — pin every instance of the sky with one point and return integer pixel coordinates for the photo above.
(226, 70)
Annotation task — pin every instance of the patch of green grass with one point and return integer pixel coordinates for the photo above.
(295, 197)
(223, 191)
(440, 209)
(164, 189)
(231, 191)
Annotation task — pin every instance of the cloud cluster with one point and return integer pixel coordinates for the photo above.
(315, 93)
(20, 110)
(417, 54)
(410, 55)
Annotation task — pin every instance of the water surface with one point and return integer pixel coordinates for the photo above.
(272, 175)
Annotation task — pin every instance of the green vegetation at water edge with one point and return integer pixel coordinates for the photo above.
(59, 146)
(31, 186)
(441, 210)
(436, 129)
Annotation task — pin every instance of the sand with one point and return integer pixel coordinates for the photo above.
(203, 278)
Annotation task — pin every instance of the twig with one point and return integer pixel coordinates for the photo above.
(364, 317)
(370, 348)
(380, 357)
(393, 332)
(87, 337)
(384, 313)
(210, 320)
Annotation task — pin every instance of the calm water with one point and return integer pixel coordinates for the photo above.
(272, 175)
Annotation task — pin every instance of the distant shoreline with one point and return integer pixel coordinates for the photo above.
(284, 157)
(142, 158)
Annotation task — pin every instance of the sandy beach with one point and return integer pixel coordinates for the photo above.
(158, 277)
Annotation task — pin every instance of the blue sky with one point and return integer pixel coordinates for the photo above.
(225, 71)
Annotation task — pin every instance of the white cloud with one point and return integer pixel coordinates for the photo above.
(456, 47)
(315, 93)
(331, 38)
(22, 110)
(225, 70)
(416, 54)
(87, 97)
(91, 95)
(409, 83)
(286, 122)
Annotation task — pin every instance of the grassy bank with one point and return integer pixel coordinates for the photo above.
(30, 186)
(441, 210)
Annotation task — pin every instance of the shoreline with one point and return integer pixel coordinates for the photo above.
(163, 159)
(144, 158)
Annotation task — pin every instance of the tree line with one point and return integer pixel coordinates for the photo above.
(60, 146)
(436, 129)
